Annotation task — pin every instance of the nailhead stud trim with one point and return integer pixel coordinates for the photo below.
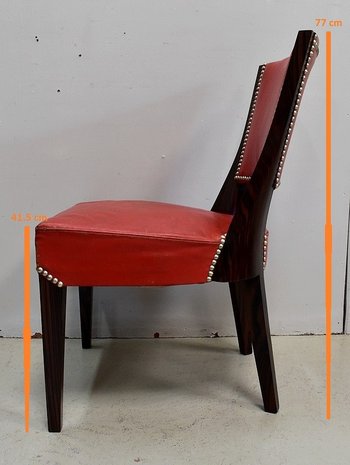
(216, 256)
(314, 47)
(248, 126)
(49, 277)
(266, 238)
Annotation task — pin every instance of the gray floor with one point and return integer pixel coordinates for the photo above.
(179, 401)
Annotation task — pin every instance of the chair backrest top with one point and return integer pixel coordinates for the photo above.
(266, 96)
(273, 109)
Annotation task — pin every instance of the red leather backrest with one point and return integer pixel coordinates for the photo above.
(271, 119)
(264, 102)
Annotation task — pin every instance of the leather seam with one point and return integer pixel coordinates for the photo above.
(153, 237)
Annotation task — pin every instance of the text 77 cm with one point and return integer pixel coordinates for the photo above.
(328, 22)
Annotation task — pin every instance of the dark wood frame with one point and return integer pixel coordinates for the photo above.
(240, 263)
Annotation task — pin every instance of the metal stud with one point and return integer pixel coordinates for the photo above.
(250, 119)
(216, 256)
(295, 110)
(49, 276)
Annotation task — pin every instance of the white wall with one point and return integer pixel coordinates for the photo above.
(154, 109)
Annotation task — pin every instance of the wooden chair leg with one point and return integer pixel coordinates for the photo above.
(262, 346)
(242, 315)
(53, 316)
(85, 299)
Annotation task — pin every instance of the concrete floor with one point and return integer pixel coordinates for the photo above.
(179, 401)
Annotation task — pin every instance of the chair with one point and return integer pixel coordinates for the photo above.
(134, 243)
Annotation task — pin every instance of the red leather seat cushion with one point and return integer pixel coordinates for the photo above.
(129, 243)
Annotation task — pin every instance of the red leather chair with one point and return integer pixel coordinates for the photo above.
(134, 243)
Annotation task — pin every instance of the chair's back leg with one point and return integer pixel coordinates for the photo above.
(53, 316)
(85, 300)
(262, 346)
(250, 310)
(242, 315)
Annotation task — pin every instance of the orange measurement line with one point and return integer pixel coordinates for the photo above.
(328, 225)
(26, 326)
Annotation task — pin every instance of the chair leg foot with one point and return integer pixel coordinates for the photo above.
(262, 345)
(242, 316)
(85, 299)
(53, 315)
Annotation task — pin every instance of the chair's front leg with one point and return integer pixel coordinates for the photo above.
(53, 316)
(242, 314)
(85, 301)
(262, 346)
